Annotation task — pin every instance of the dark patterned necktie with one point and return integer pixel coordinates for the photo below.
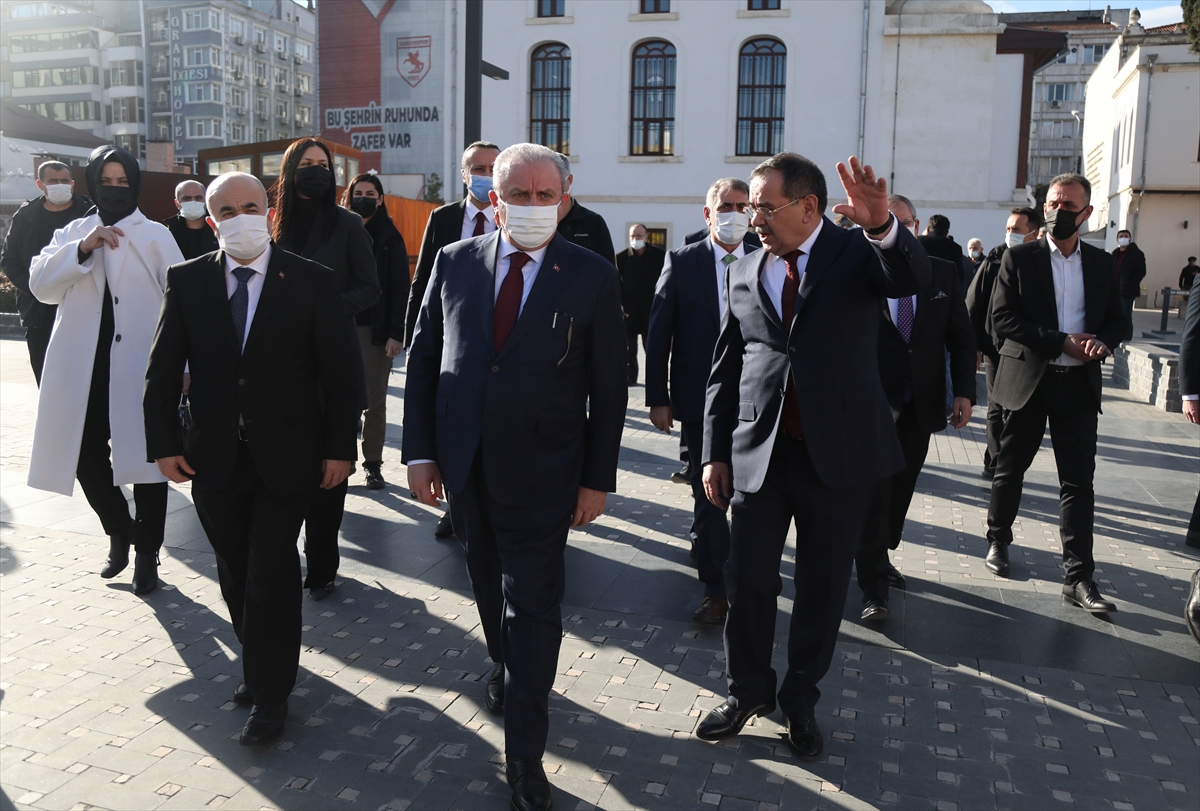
(508, 303)
(479, 220)
(239, 303)
(791, 287)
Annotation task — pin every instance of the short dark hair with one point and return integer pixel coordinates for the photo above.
(1124, 231)
(801, 177)
(1068, 178)
(477, 145)
(1191, 259)
(939, 224)
(1032, 215)
(55, 165)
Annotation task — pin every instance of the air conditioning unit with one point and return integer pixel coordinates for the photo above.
(283, 119)
(282, 55)
(298, 59)
(260, 81)
(297, 91)
(238, 75)
(239, 40)
(281, 87)
(240, 110)
(261, 47)
(1056, 103)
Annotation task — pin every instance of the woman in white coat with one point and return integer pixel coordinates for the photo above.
(106, 272)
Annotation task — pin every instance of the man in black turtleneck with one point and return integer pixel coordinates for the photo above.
(189, 226)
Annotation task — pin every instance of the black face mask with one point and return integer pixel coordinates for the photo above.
(364, 206)
(117, 202)
(313, 181)
(1060, 223)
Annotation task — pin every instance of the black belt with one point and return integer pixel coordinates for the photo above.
(1062, 370)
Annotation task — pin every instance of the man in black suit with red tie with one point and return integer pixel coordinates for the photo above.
(797, 425)
(472, 216)
(685, 319)
(515, 405)
(1056, 314)
(274, 412)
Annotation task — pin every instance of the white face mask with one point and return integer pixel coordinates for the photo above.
(192, 209)
(530, 226)
(913, 230)
(637, 244)
(60, 193)
(1123, 242)
(976, 253)
(244, 236)
(1013, 239)
(732, 226)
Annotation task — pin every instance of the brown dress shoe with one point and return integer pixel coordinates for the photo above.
(712, 611)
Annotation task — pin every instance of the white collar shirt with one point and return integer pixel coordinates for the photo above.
(1068, 296)
(719, 255)
(470, 210)
(254, 284)
(529, 272)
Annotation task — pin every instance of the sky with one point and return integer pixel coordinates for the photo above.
(1154, 12)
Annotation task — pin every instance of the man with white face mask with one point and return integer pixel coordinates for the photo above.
(1130, 265)
(190, 226)
(684, 324)
(513, 407)
(264, 333)
(638, 267)
(32, 228)
(1022, 227)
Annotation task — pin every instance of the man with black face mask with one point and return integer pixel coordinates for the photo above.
(106, 272)
(1056, 314)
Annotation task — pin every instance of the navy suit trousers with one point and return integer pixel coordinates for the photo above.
(710, 527)
(515, 562)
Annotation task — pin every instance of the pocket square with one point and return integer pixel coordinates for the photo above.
(941, 294)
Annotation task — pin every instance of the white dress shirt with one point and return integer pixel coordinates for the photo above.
(530, 271)
(254, 285)
(719, 255)
(1068, 296)
(775, 268)
(469, 212)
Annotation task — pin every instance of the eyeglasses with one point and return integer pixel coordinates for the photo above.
(908, 223)
(768, 212)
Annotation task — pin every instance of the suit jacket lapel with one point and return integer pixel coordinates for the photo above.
(488, 252)
(549, 283)
(824, 251)
(452, 225)
(217, 292)
(764, 300)
(1093, 301)
(1045, 274)
(273, 291)
(708, 266)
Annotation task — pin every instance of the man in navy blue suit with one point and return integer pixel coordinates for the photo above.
(514, 405)
(797, 426)
(685, 320)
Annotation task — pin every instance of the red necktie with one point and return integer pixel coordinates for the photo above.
(479, 220)
(791, 286)
(508, 303)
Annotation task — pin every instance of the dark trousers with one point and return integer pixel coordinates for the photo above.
(515, 562)
(995, 417)
(710, 527)
(1064, 399)
(321, 526)
(253, 533)
(828, 526)
(36, 340)
(94, 468)
(1193, 530)
(890, 501)
(632, 331)
(1127, 306)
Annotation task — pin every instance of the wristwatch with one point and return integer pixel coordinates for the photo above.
(874, 232)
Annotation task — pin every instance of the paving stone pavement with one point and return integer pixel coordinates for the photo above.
(979, 693)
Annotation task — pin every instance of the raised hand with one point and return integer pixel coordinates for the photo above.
(866, 196)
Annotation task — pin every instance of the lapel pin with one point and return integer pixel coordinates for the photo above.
(556, 268)
(281, 274)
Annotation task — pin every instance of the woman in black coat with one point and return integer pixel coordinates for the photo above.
(381, 326)
(309, 222)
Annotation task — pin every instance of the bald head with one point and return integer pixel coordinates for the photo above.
(189, 190)
(235, 193)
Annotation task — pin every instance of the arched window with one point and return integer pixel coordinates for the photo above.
(550, 97)
(762, 80)
(652, 99)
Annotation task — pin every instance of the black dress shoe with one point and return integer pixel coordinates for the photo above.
(1191, 609)
(242, 695)
(145, 572)
(894, 578)
(875, 610)
(493, 691)
(997, 558)
(727, 721)
(530, 788)
(1085, 595)
(444, 529)
(712, 611)
(264, 725)
(118, 554)
(804, 736)
(681, 477)
(374, 476)
(321, 592)
(988, 473)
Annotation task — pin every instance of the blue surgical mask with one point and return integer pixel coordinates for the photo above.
(480, 185)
